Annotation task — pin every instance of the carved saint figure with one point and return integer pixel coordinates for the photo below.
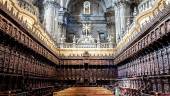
(62, 39)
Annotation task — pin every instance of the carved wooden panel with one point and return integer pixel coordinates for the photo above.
(155, 34)
(13, 31)
(2, 52)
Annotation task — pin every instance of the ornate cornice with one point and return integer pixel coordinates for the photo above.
(51, 3)
(139, 43)
(119, 3)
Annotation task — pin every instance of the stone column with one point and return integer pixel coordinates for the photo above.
(64, 29)
(98, 42)
(63, 3)
(62, 41)
(111, 31)
(74, 41)
(50, 11)
(61, 22)
(117, 23)
(122, 13)
(111, 24)
(59, 30)
(56, 34)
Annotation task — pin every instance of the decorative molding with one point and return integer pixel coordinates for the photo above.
(51, 3)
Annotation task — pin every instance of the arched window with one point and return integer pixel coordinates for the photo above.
(86, 7)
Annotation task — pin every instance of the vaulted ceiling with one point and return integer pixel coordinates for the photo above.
(105, 3)
(66, 3)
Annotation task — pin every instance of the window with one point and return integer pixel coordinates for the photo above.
(87, 7)
(102, 36)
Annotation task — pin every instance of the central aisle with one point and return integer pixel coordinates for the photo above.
(84, 91)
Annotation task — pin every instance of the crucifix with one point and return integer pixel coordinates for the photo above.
(86, 28)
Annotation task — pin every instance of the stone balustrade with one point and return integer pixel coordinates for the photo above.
(28, 6)
(146, 5)
(140, 21)
(95, 45)
(142, 7)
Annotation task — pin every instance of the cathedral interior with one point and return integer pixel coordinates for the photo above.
(84, 48)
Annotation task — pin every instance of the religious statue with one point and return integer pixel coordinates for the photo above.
(62, 39)
(109, 38)
(74, 39)
(98, 40)
(135, 12)
(110, 41)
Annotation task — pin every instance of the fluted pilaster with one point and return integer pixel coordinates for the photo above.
(62, 22)
(122, 13)
(50, 12)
